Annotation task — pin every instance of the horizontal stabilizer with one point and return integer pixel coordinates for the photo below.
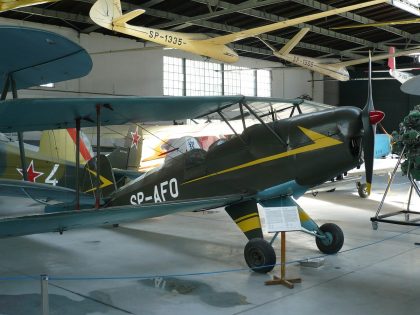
(293, 42)
(63, 221)
(34, 57)
(43, 193)
(121, 20)
(230, 38)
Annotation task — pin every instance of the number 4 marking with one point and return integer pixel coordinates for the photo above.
(50, 179)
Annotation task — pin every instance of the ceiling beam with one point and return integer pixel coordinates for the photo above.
(226, 10)
(55, 14)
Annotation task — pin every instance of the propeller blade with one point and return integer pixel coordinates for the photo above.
(370, 117)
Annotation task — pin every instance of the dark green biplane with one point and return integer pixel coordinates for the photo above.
(270, 163)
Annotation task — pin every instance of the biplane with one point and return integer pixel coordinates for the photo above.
(269, 163)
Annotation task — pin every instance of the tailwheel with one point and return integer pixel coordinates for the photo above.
(333, 240)
(259, 255)
(362, 190)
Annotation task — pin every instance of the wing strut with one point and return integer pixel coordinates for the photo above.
(98, 153)
(263, 123)
(10, 81)
(77, 163)
(230, 126)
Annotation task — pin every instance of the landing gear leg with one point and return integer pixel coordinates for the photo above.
(259, 254)
(329, 236)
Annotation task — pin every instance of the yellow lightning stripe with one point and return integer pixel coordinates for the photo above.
(320, 141)
(104, 181)
(249, 224)
(246, 217)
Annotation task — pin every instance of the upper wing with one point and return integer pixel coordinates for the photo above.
(222, 40)
(34, 57)
(43, 114)
(14, 4)
(375, 58)
(62, 221)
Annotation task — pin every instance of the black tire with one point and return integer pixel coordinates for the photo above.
(362, 190)
(335, 239)
(259, 255)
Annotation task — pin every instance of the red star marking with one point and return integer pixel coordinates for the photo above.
(32, 174)
(136, 137)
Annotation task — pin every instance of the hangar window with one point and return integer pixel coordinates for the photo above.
(173, 76)
(203, 78)
(197, 78)
(239, 80)
(264, 83)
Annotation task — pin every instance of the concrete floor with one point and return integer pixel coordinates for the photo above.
(377, 272)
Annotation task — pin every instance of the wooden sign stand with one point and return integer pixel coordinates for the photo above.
(282, 279)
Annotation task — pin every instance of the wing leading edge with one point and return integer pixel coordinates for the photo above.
(43, 114)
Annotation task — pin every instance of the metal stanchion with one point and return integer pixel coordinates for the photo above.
(44, 295)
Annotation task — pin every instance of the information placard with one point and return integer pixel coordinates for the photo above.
(282, 219)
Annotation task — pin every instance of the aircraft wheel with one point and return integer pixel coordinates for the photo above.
(362, 190)
(260, 255)
(334, 239)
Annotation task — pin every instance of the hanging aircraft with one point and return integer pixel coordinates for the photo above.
(6, 5)
(410, 83)
(108, 14)
(400, 75)
(330, 67)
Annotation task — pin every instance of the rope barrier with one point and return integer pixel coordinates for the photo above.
(192, 274)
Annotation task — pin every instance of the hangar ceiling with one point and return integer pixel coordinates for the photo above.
(221, 17)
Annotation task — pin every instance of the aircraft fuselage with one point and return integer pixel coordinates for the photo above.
(319, 147)
(339, 73)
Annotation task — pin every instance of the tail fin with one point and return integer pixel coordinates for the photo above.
(108, 13)
(128, 157)
(391, 60)
(60, 145)
(293, 42)
(88, 179)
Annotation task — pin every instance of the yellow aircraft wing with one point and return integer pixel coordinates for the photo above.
(378, 24)
(6, 5)
(226, 39)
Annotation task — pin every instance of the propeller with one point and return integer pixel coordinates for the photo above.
(370, 118)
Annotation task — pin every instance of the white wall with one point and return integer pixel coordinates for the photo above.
(140, 72)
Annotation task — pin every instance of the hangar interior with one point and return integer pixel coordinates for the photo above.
(192, 262)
